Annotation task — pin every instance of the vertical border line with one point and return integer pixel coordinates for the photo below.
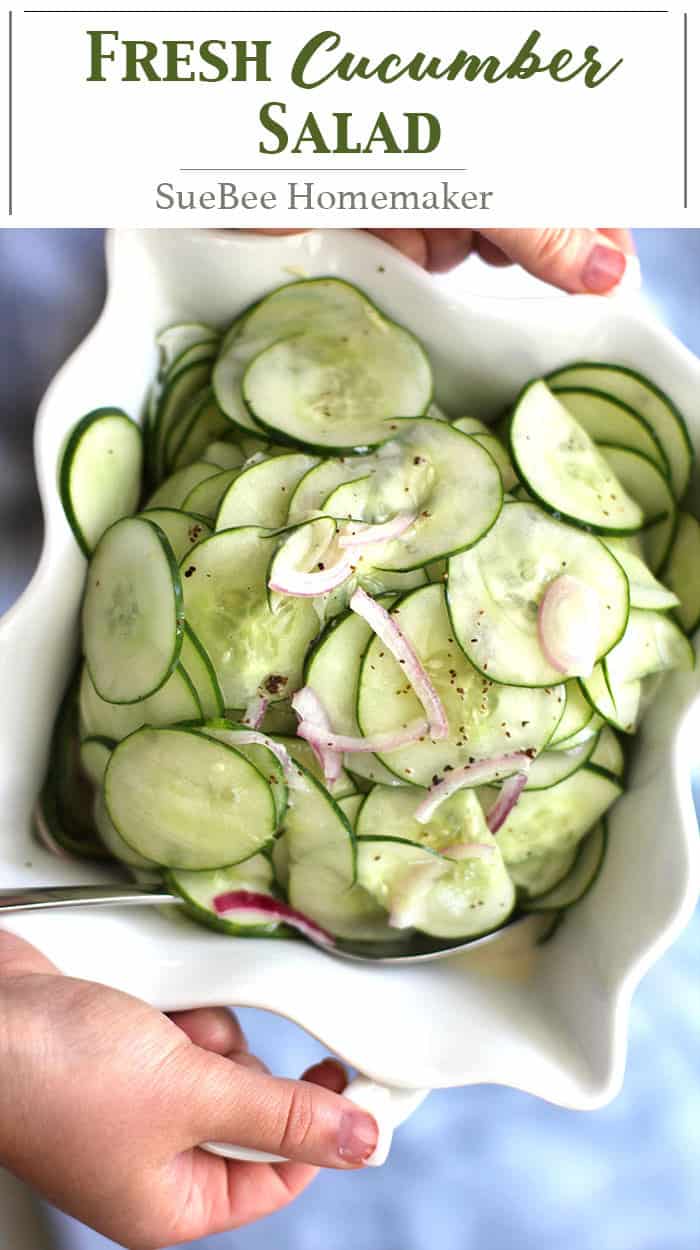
(9, 112)
(685, 110)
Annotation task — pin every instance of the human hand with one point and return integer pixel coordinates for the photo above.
(103, 1101)
(580, 261)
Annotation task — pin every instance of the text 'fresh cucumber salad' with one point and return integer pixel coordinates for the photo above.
(356, 668)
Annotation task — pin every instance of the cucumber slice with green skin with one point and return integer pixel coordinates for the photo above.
(177, 338)
(335, 392)
(652, 643)
(681, 572)
(184, 800)
(620, 711)
(198, 889)
(645, 591)
(183, 530)
(66, 800)
(494, 592)
(100, 474)
(472, 425)
(175, 701)
(591, 730)
(173, 492)
(485, 719)
(113, 841)
(176, 397)
(575, 719)
(641, 478)
(563, 469)
(646, 399)
(551, 767)
(260, 494)
(224, 455)
(279, 718)
(579, 880)
(350, 807)
(445, 476)
(332, 671)
(94, 757)
(253, 649)
(132, 612)
(540, 873)
(201, 673)
(300, 751)
(318, 483)
(555, 820)
(261, 756)
(206, 496)
(499, 453)
(608, 753)
(608, 420)
(205, 423)
(226, 379)
(197, 353)
(50, 828)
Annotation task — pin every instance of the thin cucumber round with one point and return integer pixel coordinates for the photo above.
(564, 470)
(260, 755)
(642, 479)
(199, 889)
(608, 420)
(183, 530)
(175, 399)
(173, 492)
(94, 758)
(100, 474)
(540, 873)
(175, 701)
(317, 484)
(494, 592)
(576, 716)
(583, 874)
(224, 454)
(112, 840)
(184, 800)
(681, 572)
(206, 496)
(132, 613)
(177, 338)
(200, 670)
(260, 494)
(648, 400)
(555, 820)
(300, 751)
(206, 422)
(608, 753)
(645, 591)
(485, 719)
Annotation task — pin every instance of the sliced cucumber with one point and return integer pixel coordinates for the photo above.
(200, 670)
(494, 592)
(66, 801)
(175, 701)
(555, 820)
(177, 338)
(350, 807)
(205, 423)
(652, 643)
(608, 753)
(608, 420)
(176, 398)
(620, 710)
(183, 530)
(472, 425)
(199, 889)
(94, 758)
(173, 492)
(132, 612)
(260, 494)
(652, 490)
(205, 497)
(564, 470)
(579, 880)
(540, 873)
(100, 474)
(681, 571)
(113, 841)
(485, 719)
(575, 719)
(646, 399)
(225, 455)
(261, 756)
(645, 591)
(252, 647)
(300, 751)
(318, 483)
(184, 800)
(551, 767)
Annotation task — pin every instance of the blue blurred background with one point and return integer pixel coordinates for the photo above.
(486, 1167)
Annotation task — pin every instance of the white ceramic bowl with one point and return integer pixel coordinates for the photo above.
(550, 1020)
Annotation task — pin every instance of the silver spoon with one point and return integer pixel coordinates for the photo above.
(416, 949)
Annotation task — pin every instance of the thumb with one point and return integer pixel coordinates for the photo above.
(18, 958)
(297, 1119)
(579, 261)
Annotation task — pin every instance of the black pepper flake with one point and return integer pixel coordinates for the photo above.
(192, 569)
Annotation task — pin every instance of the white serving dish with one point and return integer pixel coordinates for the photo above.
(551, 1020)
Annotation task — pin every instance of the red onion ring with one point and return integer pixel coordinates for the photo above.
(568, 626)
(480, 773)
(249, 900)
(511, 790)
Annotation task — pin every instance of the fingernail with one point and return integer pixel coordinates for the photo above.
(603, 269)
(357, 1137)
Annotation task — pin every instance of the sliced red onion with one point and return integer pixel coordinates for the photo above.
(255, 712)
(357, 534)
(253, 737)
(568, 626)
(469, 850)
(386, 628)
(411, 889)
(511, 790)
(312, 713)
(272, 909)
(480, 773)
(384, 742)
(311, 585)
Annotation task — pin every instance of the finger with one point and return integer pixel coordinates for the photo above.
(222, 1101)
(212, 1028)
(17, 957)
(579, 261)
(246, 1060)
(411, 243)
(622, 238)
(447, 248)
(491, 254)
(329, 1074)
(237, 1193)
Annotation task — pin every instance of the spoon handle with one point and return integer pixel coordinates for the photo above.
(45, 897)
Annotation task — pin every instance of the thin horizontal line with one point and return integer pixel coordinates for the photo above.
(351, 12)
(351, 169)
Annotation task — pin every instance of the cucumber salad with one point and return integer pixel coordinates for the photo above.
(350, 666)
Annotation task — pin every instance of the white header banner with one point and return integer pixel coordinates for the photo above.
(350, 118)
